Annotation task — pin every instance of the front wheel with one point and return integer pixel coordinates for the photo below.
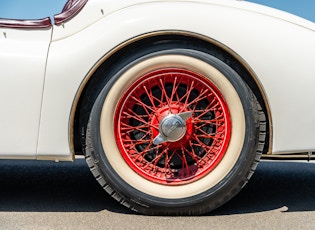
(174, 131)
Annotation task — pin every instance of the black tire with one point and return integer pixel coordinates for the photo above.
(136, 188)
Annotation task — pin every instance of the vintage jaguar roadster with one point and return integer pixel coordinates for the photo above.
(172, 103)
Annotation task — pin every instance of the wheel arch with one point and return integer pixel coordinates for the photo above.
(90, 86)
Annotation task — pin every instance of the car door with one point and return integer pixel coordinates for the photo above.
(23, 52)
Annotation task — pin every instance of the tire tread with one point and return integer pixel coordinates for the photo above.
(92, 164)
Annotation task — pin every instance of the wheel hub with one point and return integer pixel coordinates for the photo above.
(172, 128)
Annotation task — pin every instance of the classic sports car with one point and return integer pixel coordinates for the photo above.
(172, 103)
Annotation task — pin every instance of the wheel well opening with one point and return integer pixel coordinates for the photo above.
(149, 43)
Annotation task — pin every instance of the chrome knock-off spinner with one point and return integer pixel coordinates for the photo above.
(172, 128)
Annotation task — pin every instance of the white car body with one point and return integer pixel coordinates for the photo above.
(43, 71)
(172, 102)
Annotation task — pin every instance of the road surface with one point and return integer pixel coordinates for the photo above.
(49, 195)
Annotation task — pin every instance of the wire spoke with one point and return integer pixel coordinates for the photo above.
(137, 117)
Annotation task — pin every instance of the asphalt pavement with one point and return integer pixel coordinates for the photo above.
(64, 195)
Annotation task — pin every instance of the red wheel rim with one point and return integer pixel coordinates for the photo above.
(156, 95)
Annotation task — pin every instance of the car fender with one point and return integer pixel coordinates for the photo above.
(280, 53)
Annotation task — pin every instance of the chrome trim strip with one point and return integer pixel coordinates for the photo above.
(71, 9)
(26, 24)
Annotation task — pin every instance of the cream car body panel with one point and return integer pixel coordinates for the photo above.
(251, 35)
(277, 46)
(23, 56)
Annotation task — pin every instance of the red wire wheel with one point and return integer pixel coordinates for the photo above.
(172, 126)
(173, 132)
